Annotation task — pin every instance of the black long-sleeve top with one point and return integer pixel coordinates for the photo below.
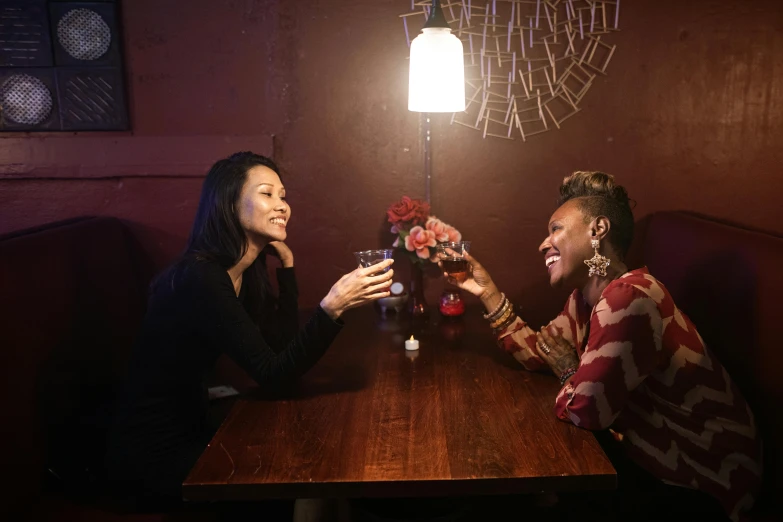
(161, 424)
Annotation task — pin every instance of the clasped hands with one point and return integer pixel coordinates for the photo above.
(556, 351)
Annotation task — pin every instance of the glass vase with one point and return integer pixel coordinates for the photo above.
(417, 305)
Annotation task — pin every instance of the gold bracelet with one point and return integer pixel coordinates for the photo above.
(505, 316)
(500, 317)
(503, 309)
(507, 323)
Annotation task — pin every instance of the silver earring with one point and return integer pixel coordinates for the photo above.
(597, 263)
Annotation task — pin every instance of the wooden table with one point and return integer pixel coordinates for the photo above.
(459, 416)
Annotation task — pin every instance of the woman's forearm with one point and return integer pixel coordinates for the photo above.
(491, 298)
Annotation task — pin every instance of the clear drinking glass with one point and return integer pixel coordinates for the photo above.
(452, 255)
(367, 258)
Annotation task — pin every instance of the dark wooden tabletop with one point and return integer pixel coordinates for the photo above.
(459, 416)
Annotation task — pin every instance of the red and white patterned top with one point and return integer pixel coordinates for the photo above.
(645, 373)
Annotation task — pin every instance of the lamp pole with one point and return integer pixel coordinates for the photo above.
(436, 81)
(427, 142)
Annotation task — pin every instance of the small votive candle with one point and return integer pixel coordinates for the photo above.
(412, 344)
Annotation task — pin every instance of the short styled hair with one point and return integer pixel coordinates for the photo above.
(597, 194)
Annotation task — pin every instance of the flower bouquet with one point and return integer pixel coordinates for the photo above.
(418, 235)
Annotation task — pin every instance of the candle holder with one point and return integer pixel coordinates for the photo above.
(451, 303)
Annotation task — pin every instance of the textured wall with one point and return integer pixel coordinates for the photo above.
(197, 80)
(688, 118)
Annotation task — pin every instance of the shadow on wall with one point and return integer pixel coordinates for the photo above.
(156, 248)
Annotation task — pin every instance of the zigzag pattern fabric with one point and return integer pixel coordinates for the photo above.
(646, 374)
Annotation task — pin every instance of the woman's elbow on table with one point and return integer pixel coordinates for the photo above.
(584, 412)
(273, 378)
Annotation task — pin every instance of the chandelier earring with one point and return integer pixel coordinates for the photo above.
(597, 263)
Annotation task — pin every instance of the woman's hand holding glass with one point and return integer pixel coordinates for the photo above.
(362, 286)
(478, 282)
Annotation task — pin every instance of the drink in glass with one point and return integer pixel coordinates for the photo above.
(452, 256)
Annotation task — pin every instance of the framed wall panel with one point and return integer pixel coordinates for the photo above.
(91, 98)
(29, 99)
(61, 66)
(84, 34)
(24, 34)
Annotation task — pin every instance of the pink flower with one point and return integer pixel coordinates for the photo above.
(453, 234)
(419, 241)
(443, 232)
(437, 227)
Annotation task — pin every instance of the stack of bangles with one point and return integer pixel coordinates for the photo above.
(501, 317)
(567, 375)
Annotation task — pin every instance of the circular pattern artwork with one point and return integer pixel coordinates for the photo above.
(25, 100)
(528, 63)
(84, 34)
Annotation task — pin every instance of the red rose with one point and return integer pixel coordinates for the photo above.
(408, 211)
(422, 213)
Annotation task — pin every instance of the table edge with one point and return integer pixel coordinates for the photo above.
(403, 488)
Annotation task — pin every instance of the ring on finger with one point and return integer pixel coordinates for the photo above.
(544, 347)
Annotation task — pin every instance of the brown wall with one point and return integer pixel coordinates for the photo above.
(690, 117)
(197, 82)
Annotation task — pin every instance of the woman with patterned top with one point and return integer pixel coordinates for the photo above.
(630, 362)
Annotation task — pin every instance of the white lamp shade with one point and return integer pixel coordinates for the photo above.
(437, 73)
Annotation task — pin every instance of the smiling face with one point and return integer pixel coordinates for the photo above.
(262, 209)
(567, 246)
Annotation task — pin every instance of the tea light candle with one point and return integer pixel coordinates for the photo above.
(412, 344)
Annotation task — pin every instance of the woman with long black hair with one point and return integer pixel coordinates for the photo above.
(215, 299)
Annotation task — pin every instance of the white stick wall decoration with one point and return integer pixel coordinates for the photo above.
(528, 63)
